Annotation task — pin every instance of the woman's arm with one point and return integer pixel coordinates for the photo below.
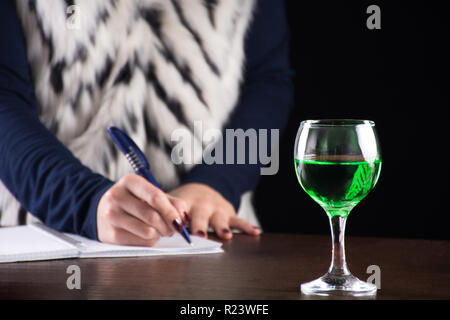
(37, 169)
(50, 182)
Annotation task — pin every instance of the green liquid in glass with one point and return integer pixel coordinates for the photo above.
(337, 183)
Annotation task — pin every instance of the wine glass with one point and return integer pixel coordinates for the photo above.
(337, 162)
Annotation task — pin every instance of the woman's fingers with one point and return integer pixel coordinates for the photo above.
(220, 223)
(223, 223)
(182, 208)
(123, 237)
(143, 212)
(245, 226)
(154, 197)
(135, 212)
(199, 221)
(122, 220)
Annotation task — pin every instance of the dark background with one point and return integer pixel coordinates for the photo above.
(396, 76)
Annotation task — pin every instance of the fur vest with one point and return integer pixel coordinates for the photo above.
(147, 66)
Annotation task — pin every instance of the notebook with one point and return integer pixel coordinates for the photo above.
(36, 242)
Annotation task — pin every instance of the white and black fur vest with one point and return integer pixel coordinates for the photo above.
(147, 66)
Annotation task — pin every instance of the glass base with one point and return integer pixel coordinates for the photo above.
(342, 285)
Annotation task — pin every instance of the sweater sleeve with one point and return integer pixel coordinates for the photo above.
(35, 166)
(265, 101)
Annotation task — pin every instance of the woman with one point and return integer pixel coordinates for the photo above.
(71, 69)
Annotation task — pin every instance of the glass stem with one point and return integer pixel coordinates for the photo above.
(338, 265)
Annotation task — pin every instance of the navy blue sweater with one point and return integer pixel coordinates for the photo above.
(52, 184)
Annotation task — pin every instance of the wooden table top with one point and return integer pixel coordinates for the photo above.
(271, 266)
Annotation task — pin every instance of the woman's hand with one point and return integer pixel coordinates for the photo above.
(135, 212)
(207, 207)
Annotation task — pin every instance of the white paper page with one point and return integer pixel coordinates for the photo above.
(25, 243)
(174, 245)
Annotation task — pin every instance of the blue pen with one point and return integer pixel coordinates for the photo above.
(140, 166)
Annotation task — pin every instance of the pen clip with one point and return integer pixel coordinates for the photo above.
(127, 145)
